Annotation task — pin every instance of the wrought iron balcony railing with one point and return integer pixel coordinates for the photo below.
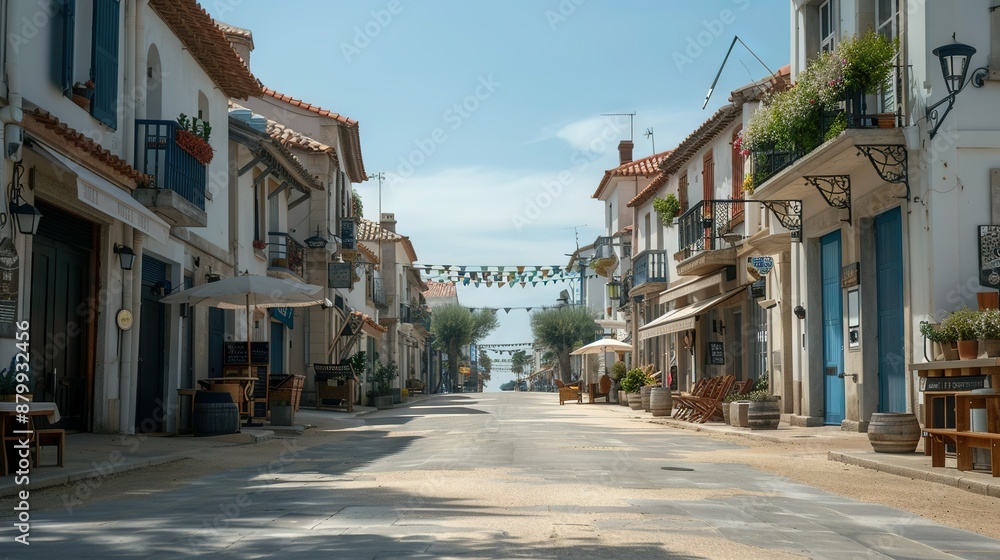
(377, 294)
(704, 225)
(157, 154)
(650, 266)
(283, 251)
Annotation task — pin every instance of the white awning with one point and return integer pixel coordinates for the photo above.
(683, 319)
(610, 324)
(100, 194)
(690, 287)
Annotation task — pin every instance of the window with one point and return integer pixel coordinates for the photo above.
(887, 25)
(682, 193)
(738, 164)
(828, 25)
(74, 63)
(104, 62)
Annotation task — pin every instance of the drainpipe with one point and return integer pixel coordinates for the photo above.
(131, 297)
(12, 113)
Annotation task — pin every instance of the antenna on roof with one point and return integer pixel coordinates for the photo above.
(631, 118)
(576, 232)
(724, 60)
(649, 134)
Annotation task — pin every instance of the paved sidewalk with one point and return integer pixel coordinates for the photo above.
(852, 448)
(101, 455)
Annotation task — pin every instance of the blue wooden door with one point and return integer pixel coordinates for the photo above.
(833, 328)
(889, 279)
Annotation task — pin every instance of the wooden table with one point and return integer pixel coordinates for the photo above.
(951, 374)
(9, 424)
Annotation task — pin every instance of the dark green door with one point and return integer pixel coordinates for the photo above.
(889, 279)
(150, 404)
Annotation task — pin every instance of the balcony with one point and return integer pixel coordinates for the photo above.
(285, 256)
(176, 191)
(604, 260)
(404, 313)
(701, 231)
(651, 272)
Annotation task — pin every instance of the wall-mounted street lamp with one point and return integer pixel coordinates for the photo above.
(126, 256)
(25, 215)
(614, 288)
(954, 67)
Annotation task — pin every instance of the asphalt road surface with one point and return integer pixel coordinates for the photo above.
(496, 475)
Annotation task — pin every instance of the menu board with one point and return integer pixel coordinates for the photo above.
(716, 354)
(333, 371)
(235, 353)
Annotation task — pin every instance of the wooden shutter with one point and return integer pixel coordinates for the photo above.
(104, 62)
(737, 176)
(65, 50)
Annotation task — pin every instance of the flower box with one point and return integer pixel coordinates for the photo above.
(192, 144)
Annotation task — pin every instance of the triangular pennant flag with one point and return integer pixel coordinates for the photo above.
(555, 270)
(484, 268)
(520, 269)
(523, 283)
(475, 275)
(528, 308)
(545, 283)
(499, 284)
(510, 283)
(489, 283)
(461, 270)
(446, 267)
(500, 269)
(545, 273)
(506, 310)
(465, 282)
(477, 284)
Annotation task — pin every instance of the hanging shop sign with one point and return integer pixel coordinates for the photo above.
(340, 275)
(989, 256)
(761, 265)
(9, 264)
(850, 275)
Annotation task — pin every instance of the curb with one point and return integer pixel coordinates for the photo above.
(962, 482)
(66, 479)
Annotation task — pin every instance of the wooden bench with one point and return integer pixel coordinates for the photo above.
(964, 443)
(49, 437)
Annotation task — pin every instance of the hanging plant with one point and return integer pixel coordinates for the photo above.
(197, 147)
(667, 207)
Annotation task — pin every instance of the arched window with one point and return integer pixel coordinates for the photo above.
(154, 84)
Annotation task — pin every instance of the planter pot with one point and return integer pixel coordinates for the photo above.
(383, 402)
(739, 414)
(660, 401)
(945, 351)
(887, 120)
(893, 432)
(991, 346)
(622, 398)
(82, 102)
(727, 413)
(968, 349)
(634, 401)
(988, 300)
(644, 395)
(282, 415)
(763, 415)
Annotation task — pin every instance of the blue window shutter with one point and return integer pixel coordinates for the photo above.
(104, 62)
(68, 38)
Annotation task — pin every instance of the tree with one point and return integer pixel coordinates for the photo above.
(454, 327)
(561, 330)
(518, 361)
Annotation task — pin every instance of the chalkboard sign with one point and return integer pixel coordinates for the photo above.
(235, 353)
(716, 354)
(333, 371)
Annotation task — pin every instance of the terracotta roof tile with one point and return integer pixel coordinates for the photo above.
(368, 253)
(236, 31)
(348, 133)
(370, 322)
(440, 290)
(208, 45)
(87, 151)
(644, 167)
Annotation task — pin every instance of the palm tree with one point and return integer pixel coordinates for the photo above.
(561, 330)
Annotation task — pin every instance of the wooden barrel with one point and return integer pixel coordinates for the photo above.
(214, 413)
(622, 398)
(634, 401)
(644, 395)
(660, 401)
(894, 432)
(764, 415)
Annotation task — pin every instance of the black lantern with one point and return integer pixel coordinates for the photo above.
(26, 215)
(955, 60)
(126, 256)
(614, 288)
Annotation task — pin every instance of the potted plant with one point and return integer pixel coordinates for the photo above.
(988, 331)
(943, 340)
(259, 244)
(617, 373)
(667, 208)
(727, 402)
(963, 323)
(764, 412)
(192, 137)
(632, 383)
(83, 94)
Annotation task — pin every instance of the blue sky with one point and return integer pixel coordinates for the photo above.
(486, 116)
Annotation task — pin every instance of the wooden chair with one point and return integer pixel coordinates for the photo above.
(709, 405)
(569, 392)
(49, 437)
(682, 405)
(601, 389)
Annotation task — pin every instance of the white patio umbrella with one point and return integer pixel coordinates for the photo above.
(603, 345)
(249, 291)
